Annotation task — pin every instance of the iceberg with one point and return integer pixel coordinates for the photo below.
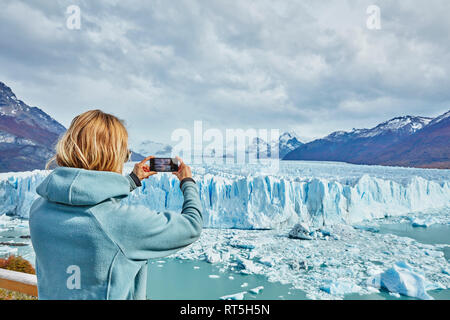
(422, 223)
(301, 232)
(327, 269)
(401, 279)
(236, 296)
(340, 287)
(256, 290)
(250, 197)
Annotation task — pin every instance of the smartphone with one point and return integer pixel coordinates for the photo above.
(164, 164)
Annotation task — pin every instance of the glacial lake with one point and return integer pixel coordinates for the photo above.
(194, 279)
(434, 234)
(186, 279)
(175, 279)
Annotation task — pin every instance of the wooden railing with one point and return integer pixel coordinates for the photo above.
(18, 281)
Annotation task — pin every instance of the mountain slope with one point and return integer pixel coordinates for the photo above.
(427, 148)
(287, 142)
(386, 144)
(27, 134)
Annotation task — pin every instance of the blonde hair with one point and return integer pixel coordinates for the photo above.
(94, 141)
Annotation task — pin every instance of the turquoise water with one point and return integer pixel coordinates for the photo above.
(178, 279)
(434, 234)
(437, 294)
(19, 235)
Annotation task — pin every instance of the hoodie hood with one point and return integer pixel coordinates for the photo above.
(82, 187)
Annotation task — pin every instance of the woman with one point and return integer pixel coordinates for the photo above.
(88, 243)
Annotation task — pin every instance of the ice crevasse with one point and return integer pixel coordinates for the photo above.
(264, 201)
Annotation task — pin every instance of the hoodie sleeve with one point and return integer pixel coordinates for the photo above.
(144, 234)
(134, 181)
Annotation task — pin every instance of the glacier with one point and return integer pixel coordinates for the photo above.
(250, 210)
(250, 197)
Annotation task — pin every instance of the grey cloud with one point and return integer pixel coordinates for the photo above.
(307, 65)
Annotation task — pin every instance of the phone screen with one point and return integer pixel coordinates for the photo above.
(164, 164)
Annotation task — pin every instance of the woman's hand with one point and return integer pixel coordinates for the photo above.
(184, 171)
(142, 169)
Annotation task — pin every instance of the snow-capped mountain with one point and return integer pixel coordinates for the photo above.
(398, 126)
(27, 134)
(428, 147)
(287, 142)
(443, 117)
(381, 144)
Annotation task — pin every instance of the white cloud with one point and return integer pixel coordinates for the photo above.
(311, 66)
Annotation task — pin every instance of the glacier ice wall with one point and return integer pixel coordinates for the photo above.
(267, 201)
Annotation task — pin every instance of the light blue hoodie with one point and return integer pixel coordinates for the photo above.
(90, 245)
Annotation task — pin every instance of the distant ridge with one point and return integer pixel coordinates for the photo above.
(27, 134)
(408, 141)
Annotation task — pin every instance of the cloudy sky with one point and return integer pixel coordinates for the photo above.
(309, 66)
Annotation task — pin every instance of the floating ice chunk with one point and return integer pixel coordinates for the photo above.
(394, 294)
(373, 290)
(434, 253)
(245, 284)
(196, 267)
(242, 245)
(298, 265)
(212, 257)
(403, 280)
(214, 276)
(340, 287)
(300, 231)
(225, 256)
(325, 232)
(366, 228)
(231, 277)
(257, 290)
(6, 251)
(247, 266)
(267, 261)
(236, 296)
(353, 250)
(424, 223)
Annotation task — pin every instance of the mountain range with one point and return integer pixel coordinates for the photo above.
(409, 141)
(287, 142)
(28, 136)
